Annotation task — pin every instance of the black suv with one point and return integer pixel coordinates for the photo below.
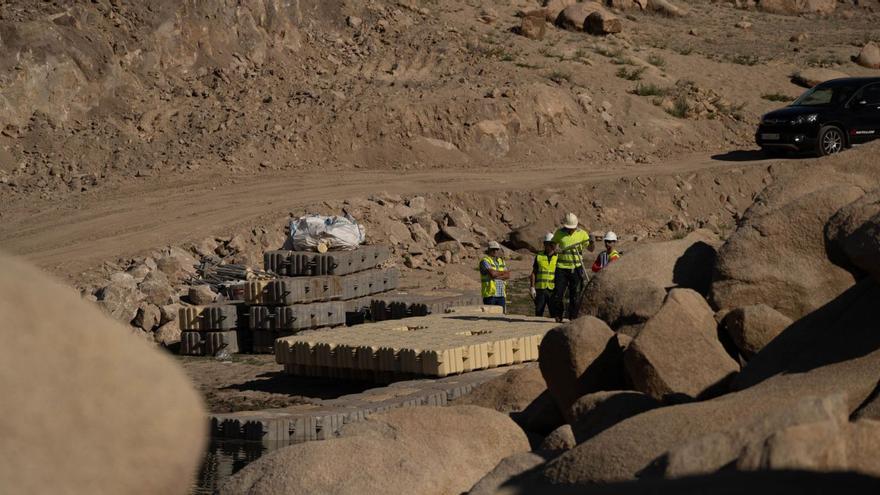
(833, 115)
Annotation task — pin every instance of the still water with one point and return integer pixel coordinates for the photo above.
(224, 458)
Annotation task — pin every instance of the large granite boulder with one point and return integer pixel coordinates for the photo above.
(678, 351)
(87, 407)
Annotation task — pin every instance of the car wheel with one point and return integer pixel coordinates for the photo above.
(831, 141)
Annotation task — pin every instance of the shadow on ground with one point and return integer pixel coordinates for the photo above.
(757, 156)
(277, 382)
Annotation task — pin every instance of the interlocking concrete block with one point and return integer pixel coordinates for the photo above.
(297, 263)
(369, 282)
(292, 290)
(215, 317)
(296, 317)
(323, 418)
(436, 345)
(208, 343)
(395, 306)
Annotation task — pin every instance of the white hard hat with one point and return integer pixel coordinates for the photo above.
(548, 237)
(570, 221)
(493, 245)
(610, 236)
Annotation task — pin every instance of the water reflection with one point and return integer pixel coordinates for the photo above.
(224, 458)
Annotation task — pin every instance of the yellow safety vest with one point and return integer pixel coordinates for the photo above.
(546, 271)
(487, 284)
(571, 248)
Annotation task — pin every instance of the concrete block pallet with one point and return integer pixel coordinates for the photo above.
(292, 290)
(436, 345)
(205, 330)
(215, 317)
(296, 317)
(395, 305)
(209, 343)
(310, 292)
(308, 289)
(279, 427)
(369, 282)
(297, 263)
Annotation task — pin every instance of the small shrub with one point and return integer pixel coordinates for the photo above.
(679, 108)
(630, 75)
(608, 52)
(746, 60)
(656, 61)
(558, 76)
(650, 90)
(687, 50)
(525, 65)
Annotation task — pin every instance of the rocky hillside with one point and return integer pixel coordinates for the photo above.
(95, 93)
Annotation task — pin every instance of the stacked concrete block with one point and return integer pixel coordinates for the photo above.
(289, 290)
(369, 282)
(299, 263)
(436, 345)
(322, 419)
(296, 317)
(311, 291)
(206, 330)
(395, 305)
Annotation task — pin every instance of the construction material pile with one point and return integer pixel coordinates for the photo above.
(436, 346)
(308, 290)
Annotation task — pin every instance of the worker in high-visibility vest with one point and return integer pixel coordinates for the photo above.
(541, 278)
(610, 254)
(493, 277)
(570, 274)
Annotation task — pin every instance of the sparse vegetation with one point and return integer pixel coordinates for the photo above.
(650, 90)
(687, 50)
(656, 60)
(526, 65)
(630, 75)
(679, 108)
(746, 60)
(828, 60)
(558, 76)
(776, 97)
(609, 52)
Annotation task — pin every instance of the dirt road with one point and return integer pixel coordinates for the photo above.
(126, 221)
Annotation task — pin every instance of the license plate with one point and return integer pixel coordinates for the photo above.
(770, 137)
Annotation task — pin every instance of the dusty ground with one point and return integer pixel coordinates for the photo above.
(252, 382)
(100, 95)
(125, 127)
(131, 219)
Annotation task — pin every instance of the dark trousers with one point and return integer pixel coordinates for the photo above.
(572, 281)
(544, 299)
(495, 301)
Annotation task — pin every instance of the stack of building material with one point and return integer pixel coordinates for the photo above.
(206, 330)
(436, 345)
(397, 305)
(311, 291)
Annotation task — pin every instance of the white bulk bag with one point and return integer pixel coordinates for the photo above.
(336, 233)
